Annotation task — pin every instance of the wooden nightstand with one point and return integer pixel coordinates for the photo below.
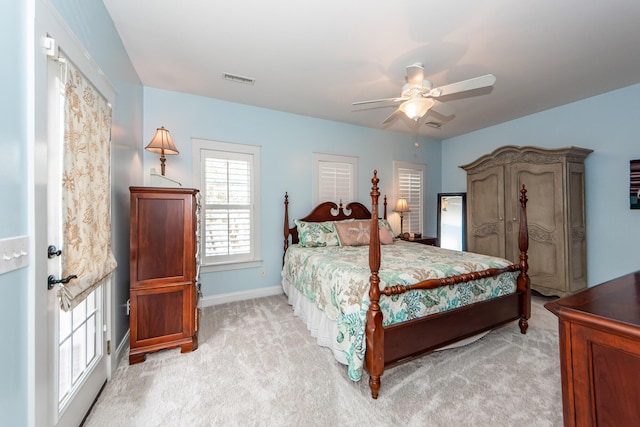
(426, 240)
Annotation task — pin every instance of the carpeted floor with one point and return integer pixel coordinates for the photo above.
(258, 366)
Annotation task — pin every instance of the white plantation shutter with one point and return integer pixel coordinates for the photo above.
(335, 177)
(409, 180)
(227, 206)
(230, 203)
(335, 182)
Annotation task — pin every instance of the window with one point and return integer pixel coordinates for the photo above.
(227, 175)
(335, 178)
(409, 183)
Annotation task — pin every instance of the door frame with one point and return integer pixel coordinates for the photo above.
(48, 22)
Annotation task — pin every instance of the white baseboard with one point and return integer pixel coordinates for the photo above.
(210, 300)
(122, 347)
(116, 355)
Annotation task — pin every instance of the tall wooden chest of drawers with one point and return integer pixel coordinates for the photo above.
(163, 268)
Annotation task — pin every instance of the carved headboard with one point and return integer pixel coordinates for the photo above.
(326, 211)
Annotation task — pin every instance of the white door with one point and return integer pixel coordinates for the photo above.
(76, 339)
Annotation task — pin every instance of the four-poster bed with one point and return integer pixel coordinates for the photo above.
(422, 299)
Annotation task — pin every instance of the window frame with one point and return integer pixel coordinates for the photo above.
(421, 169)
(319, 158)
(200, 149)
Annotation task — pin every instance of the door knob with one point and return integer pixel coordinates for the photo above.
(52, 252)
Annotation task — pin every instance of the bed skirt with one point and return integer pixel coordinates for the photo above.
(325, 330)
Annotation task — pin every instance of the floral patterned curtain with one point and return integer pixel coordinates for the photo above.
(86, 190)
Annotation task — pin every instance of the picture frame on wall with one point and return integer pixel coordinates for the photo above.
(634, 184)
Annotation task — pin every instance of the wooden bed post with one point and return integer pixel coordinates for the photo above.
(385, 207)
(374, 357)
(286, 224)
(524, 283)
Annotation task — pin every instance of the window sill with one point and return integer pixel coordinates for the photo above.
(212, 268)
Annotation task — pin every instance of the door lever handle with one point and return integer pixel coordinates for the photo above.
(51, 280)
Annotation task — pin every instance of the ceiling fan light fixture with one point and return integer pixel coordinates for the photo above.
(416, 108)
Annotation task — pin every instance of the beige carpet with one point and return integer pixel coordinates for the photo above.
(258, 366)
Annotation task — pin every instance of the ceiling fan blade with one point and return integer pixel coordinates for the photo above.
(443, 109)
(464, 85)
(392, 117)
(415, 75)
(380, 100)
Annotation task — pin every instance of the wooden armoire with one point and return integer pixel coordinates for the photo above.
(163, 270)
(555, 183)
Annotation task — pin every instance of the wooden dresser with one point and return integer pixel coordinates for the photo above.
(600, 353)
(163, 268)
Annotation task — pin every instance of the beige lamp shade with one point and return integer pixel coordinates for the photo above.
(416, 108)
(402, 205)
(163, 144)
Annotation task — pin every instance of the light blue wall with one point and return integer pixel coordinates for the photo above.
(288, 142)
(13, 218)
(91, 23)
(607, 124)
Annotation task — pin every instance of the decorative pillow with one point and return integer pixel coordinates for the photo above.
(316, 234)
(384, 223)
(356, 233)
(385, 236)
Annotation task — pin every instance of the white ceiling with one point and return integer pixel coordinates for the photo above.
(316, 58)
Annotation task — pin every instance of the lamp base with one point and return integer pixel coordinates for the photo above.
(162, 160)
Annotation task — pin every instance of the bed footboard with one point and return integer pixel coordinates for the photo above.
(406, 340)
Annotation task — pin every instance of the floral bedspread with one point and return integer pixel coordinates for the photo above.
(336, 278)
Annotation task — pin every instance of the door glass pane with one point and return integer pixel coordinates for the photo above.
(91, 303)
(91, 338)
(79, 343)
(79, 314)
(65, 325)
(64, 368)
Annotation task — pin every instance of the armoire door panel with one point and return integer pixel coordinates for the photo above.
(485, 213)
(577, 267)
(544, 265)
(544, 191)
(159, 314)
(576, 198)
(577, 227)
(545, 216)
(160, 238)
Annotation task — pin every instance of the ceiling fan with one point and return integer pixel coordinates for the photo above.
(418, 95)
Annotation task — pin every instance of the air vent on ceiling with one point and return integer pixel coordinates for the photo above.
(433, 125)
(238, 79)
